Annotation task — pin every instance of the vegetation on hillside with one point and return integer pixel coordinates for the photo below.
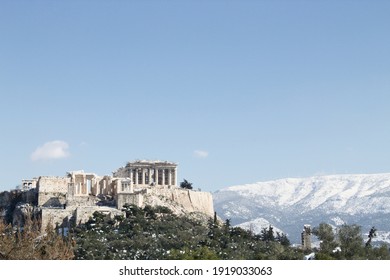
(30, 243)
(152, 233)
(347, 244)
(186, 185)
(156, 233)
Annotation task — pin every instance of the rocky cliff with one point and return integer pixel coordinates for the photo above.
(180, 201)
(14, 206)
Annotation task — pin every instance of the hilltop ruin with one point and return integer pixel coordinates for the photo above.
(72, 199)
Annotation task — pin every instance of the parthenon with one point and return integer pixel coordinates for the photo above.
(149, 173)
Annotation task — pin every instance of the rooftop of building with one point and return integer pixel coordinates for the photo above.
(150, 162)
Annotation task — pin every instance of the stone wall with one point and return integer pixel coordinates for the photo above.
(81, 201)
(52, 215)
(192, 201)
(53, 184)
(179, 200)
(201, 202)
(83, 214)
(52, 191)
(71, 215)
(122, 199)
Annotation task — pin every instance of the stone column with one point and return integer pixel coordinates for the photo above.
(94, 188)
(131, 175)
(104, 186)
(136, 176)
(163, 177)
(150, 175)
(170, 177)
(74, 184)
(175, 175)
(143, 176)
(119, 186)
(131, 187)
(84, 185)
(156, 176)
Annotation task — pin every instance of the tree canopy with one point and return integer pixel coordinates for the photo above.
(186, 185)
(156, 233)
(346, 243)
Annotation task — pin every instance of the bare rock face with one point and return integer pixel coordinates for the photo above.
(180, 201)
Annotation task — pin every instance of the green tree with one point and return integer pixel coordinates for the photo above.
(156, 233)
(282, 239)
(348, 244)
(267, 234)
(351, 241)
(371, 235)
(186, 185)
(200, 253)
(328, 244)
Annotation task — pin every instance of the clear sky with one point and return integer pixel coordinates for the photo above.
(234, 92)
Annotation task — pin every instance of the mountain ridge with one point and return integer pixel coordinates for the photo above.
(289, 203)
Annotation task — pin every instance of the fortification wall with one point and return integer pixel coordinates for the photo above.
(52, 191)
(77, 201)
(179, 200)
(202, 202)
(53, 184)
(122, 199)
(54, 216)
(83, 214)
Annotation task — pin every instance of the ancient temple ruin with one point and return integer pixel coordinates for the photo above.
(149, 173)
(74, 197)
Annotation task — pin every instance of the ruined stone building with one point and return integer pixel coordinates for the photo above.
(148, 173)
(306, 237)
(73, 198)
(28, 184)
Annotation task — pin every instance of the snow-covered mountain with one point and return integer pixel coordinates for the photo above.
(258, 224)
(288, 204)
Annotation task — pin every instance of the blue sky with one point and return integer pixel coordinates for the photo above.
(235, 92)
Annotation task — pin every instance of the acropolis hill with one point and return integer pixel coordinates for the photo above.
(72, 199)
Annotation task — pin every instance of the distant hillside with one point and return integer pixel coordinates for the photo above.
(290, 203)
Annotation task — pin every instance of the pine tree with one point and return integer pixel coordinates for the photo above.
(371, 235)
(31, 243)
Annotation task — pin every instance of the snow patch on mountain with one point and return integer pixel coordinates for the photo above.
(290, 203)
(258, 224)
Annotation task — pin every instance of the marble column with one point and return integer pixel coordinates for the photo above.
(170, 177)
(156, 176)
(163, 177)
(84, 185)
(150, 175)
(143, 176)
(119, 186)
